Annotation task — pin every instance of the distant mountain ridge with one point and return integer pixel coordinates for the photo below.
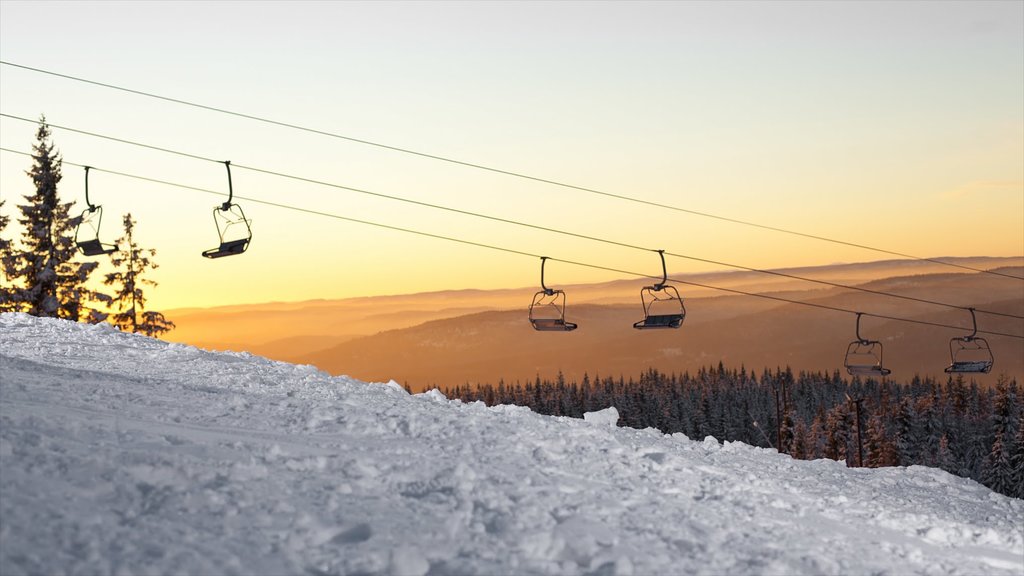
(452, 337)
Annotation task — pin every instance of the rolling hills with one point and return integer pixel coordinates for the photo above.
(447, 338)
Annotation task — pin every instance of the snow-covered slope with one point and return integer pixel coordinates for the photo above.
(122, 454)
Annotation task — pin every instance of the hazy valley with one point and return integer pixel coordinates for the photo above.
(461, 336)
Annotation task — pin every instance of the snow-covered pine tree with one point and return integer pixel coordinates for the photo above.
(816, 437)
(908, 445)
(997, 472)
(1017, 463)
(6, 287)
(787, 433)
(800, 449)
(132, 263)
(837, 432)
(944, 457)
(879, 449)
(46, 281)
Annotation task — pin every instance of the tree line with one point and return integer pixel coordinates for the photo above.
(42, 276)
(954, 425)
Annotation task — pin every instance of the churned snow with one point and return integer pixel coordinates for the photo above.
(121, 454)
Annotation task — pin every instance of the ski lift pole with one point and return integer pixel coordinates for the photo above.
(860, 447)
(780, 401)
(753, 420)
(778, 421)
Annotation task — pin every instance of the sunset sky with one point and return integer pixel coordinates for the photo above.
(898, 125)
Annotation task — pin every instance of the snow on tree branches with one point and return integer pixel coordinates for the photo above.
(131, 263)
(44, 281)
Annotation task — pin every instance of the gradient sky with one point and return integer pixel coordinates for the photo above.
(898, 125)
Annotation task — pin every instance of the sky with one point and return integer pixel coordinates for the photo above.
(896, 125)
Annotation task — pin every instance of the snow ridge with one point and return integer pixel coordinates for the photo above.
(125, 454)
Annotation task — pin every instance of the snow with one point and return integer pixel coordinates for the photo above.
(121, 454)
(608, 417)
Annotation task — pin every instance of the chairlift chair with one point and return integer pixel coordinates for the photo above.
(547, 310)
(233, 227)
(864, 357)
(970, 354)
(87, 233)
(663, 307)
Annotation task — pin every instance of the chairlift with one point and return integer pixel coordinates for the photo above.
(970, 354)
(233, 227)
(663, 307)
(87, 233)
(547, 310)
(864, 357)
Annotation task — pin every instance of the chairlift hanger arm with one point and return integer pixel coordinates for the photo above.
(860, 338)
(87, 203)
(974, 324)
(231, 192)
(547, 291)
(664, 272)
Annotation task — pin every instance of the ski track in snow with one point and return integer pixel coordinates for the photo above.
(126, 455)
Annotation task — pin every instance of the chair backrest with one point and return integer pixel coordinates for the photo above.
(864, 357)
(969, 355)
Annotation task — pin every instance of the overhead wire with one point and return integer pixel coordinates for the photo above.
(503, 171)
(511, 221)
(524, 253)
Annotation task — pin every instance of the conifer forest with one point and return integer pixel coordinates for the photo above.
(958, 426)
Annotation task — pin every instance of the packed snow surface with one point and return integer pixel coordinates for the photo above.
(126, 455)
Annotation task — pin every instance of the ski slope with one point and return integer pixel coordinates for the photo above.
(121, 454)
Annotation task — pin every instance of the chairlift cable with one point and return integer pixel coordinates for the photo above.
(509, 221)
(844, 286)
(507, 172)
(523, 253)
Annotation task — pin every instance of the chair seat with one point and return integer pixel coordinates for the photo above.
(552, 325)
(95, 248)
(660, 321)
(869, 370)
(972, 367)
(228, 248)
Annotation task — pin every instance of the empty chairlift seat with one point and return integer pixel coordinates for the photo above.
(970, 354)
(233, 228)
(547, 309)
(663, 307)
(87, 233)
(864, 357)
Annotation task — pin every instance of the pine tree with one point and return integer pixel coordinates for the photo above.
(1017, 463)
(816, 438)
(880, 451)
(44, 279)
(944, 458)
(801, 449)
(787, 433)
(837, 432)
(907, 434)
(997, 472)
(131, 263)
(7, 303)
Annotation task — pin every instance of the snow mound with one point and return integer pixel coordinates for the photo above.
(608, 417)
(124, 454)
